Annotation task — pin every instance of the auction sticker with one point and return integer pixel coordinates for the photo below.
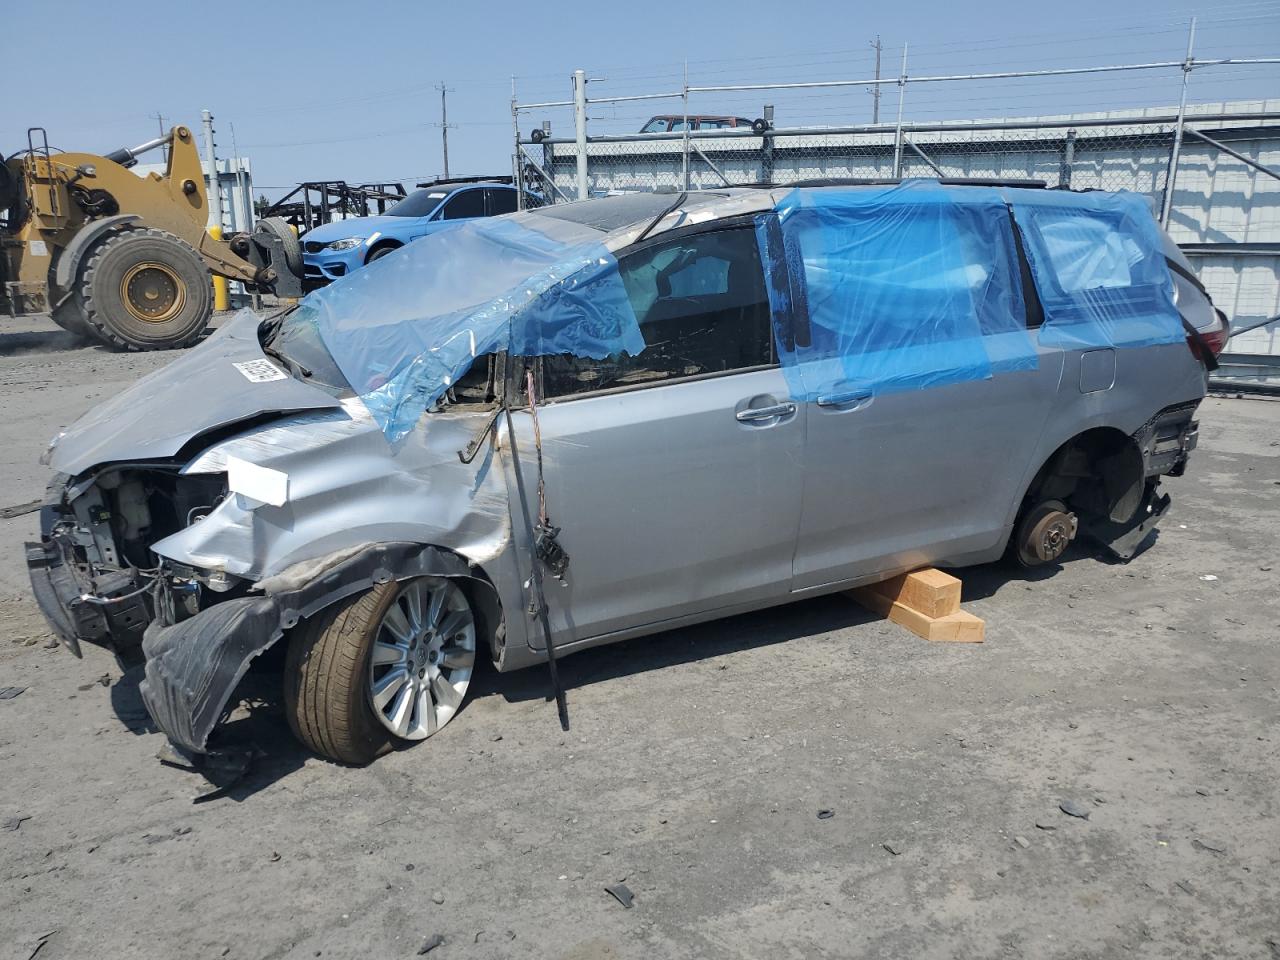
(260, 371)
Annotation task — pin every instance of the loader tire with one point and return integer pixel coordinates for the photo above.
(145, 289)
(279, 227)
(324, 679)
(70, 318)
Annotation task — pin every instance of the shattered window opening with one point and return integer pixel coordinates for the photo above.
(702, 308)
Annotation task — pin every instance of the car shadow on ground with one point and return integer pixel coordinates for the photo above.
(254, 749)
(780, 624)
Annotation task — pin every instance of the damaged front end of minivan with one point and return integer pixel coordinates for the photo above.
(196, 552)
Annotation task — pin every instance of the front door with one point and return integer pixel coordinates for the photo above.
(675, 475)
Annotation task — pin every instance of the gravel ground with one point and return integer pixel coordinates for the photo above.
(1144, 696)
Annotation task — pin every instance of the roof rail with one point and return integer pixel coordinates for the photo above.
(893, 181)
(442, 181)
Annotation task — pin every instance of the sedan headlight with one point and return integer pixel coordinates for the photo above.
(346, 244)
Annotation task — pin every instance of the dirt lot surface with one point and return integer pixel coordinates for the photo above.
(1144, 696)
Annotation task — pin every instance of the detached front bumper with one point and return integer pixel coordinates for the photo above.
(55, 590)
(193, 666)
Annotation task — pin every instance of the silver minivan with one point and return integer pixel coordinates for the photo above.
(538, 433)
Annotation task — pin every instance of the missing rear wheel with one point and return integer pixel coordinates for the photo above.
(1044, 533)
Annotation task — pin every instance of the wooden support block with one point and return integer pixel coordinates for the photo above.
(931, 592)
(954, 626)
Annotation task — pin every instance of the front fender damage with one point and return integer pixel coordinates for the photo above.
(193, 667)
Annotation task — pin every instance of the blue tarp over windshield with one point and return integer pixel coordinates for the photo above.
(404, 328)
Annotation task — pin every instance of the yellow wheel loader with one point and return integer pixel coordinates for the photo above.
(125, 259)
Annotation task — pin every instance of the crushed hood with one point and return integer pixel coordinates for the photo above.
(209, 386)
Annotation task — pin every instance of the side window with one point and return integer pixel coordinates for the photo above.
(707, 124)
(501, 201)
(1087, 252)
(702, 308)
(467, 203)
(1100, 272)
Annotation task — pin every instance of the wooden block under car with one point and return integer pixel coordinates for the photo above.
(930, 588)
(930, 591)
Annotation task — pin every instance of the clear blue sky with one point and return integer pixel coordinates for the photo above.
(315, 94)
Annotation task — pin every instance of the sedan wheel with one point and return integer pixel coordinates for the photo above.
(422, 656)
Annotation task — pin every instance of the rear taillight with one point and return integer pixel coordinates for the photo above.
(1215, 339)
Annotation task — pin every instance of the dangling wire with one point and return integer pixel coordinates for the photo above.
(535, 570)
(537, 446)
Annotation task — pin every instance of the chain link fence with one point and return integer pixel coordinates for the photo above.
(1083, 154)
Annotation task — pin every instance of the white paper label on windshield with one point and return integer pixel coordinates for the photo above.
(260, 371)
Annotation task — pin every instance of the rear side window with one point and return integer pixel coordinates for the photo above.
(1100, 271)
(468, 203)
(501, 201)
(701, 306)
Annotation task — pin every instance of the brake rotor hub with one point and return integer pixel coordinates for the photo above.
(1050, 537)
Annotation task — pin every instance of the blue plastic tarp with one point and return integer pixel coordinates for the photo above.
(404, 328)
(1099, 267)
(874, 289)
(904, 287)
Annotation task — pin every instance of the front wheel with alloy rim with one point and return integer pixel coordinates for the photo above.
(389, 665)
(145, 289)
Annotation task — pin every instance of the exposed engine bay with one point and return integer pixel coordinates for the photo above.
(96, 538)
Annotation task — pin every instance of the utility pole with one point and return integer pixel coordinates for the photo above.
(215, 190)
(875, 90)
(444, 123)
(580, 128)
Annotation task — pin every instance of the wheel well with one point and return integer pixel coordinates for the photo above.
(1098, 473)
(307, 587)
(384, 244)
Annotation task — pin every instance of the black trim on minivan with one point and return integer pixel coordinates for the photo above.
(1030, 293)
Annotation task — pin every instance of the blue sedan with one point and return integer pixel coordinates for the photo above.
(335, 249)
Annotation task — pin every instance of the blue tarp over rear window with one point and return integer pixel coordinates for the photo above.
(1100, 269)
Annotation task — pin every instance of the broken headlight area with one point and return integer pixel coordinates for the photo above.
(94, 573)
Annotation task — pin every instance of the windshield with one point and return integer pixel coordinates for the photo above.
(417, 204)
(404, 329)
(294, 340)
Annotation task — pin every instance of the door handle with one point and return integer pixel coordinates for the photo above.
(844, 399)
(772, 412)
